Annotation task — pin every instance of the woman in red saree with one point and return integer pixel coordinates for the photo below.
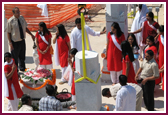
(161, 53)
(149, 28)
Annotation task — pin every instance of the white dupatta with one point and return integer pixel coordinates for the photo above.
(151, 26)
(115, 42)
(6, 91)
(57, 62)
(43, 38)
(68, 75)
(162, 39)
(139, 19)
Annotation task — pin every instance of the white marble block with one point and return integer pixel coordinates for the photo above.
(105, 76)
(117, 13)
(92, 65)
(88, 95)
(34, 93)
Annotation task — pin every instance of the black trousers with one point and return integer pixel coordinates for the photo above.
(19, 53)
(148, 94)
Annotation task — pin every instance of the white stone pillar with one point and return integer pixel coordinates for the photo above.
(105, 74)
(117, 13)
(114, 13)
(129, 7)
(6, 46)
(88, 95)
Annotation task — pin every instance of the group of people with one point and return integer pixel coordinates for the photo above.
(64, 51)
(138, 58)
(122, 55)
(47, 103)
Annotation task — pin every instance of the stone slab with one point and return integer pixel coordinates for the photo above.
(106, 78)
(88, 96)
(34, 93)
(92, 65)
(117, 13)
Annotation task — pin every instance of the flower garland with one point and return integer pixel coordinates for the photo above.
(50, 82)
(40, 75)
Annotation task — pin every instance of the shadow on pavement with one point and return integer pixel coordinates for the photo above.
(29, 60)
(158, 92)
(159, 104)
(58, 73)
(105, 82)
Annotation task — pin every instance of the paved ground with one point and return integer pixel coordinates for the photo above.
(97, 44)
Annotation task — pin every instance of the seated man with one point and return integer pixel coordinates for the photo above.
(26, 103)
(126, 95)
(112, 92)
(50, 103)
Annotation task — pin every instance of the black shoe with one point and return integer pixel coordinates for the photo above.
(146, 108)
(23, 70)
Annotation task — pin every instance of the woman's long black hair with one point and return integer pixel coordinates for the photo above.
(161, 28)
(62, 31)
(140, 6)
(150, 14)
(73, 51)
(117, 27)
(45, 30)
(134, 42)
(126, 49)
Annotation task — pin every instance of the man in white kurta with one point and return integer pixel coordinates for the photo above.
(76, 35)
(112, 92)
(139, 93)
(126, 96)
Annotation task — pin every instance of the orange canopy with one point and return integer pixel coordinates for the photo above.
(57, 13)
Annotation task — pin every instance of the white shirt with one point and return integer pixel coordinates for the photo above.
(126, 99)
(76, 37)
(26, 108)
(115, 88)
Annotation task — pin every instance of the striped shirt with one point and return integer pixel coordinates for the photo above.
(49, 103)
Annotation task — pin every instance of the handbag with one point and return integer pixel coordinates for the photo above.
(51, 50)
